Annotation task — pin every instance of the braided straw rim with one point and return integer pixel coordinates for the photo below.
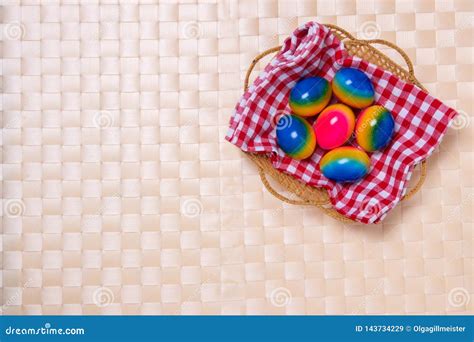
(308, 195)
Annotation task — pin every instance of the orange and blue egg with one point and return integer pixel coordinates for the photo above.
(309, 96)
(295, 136)
(353, 87)
(334, 126)
(374, 128)
(345, 164)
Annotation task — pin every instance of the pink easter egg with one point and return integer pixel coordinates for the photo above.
(334, 126)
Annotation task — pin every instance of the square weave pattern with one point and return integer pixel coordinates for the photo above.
(121, 195)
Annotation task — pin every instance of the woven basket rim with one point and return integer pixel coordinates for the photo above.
(316, 196)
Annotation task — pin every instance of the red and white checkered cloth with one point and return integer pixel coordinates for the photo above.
(312, 50)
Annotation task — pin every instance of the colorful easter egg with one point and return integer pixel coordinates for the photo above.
(374, 128)
(345, 164)
(334, 126)
(353, 87)
(295, 136)
(309, 96)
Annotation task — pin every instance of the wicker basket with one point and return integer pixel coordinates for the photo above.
(318, 197)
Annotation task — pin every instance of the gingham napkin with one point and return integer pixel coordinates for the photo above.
(312, 50)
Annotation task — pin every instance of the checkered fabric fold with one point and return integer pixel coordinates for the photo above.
(312, 50)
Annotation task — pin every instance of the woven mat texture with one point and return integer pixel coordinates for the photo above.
(120, 195)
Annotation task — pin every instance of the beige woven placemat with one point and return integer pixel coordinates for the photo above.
(120, 195)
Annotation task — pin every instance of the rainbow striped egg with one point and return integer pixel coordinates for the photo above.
(353, 87)
(295, 136)
(309, 96)
(374, 128)
(345, 164)
(334, 126)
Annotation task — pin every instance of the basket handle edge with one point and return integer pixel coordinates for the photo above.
(283, 198)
